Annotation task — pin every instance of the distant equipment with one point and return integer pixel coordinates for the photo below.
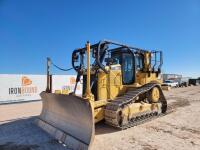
(194, 82)
(171, 76)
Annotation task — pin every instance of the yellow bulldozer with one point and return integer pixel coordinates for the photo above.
(121, 86)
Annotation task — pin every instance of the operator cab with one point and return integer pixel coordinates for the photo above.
(107, 54)
(130, 63)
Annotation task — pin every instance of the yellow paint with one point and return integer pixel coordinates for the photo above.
(88, 90)
(88, 95)
(110, 85)
(100, 103)
(98, 114)
(58, 92)
(134, 109)
(144, 78)
(115, 83)
(102, 86)
(147, 58)
(65, 92)
(155, 94)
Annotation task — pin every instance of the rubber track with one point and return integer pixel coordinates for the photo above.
(112, 109)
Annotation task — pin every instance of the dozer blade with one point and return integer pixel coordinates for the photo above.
(68, 118)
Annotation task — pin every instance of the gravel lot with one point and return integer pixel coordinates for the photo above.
(178, 130)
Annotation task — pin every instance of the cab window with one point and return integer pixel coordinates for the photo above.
(139, 62)
(127, 68)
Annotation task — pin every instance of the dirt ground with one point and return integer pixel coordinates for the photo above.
(178, 130)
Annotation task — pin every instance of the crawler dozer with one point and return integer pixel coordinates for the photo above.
(121, 86)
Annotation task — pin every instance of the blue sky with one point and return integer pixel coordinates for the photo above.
(34, 29)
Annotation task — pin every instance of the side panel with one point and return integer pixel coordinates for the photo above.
(144, 78)
(115, 80)
(102, 86)
(109, 85)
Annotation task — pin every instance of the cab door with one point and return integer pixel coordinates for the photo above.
(128, 68)
(126, 60)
